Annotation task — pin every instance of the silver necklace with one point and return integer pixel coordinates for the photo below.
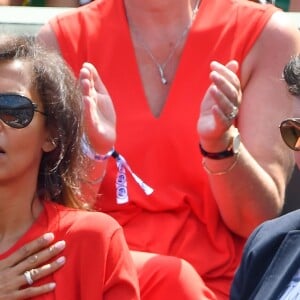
(161, 67)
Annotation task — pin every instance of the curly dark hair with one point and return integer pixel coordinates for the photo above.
(291, 75)
(63, 169)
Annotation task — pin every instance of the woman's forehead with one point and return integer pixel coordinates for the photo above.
(16, 77)
(20, 70)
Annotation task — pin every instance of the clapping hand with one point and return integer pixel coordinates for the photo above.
(100, 117)
(220, 105)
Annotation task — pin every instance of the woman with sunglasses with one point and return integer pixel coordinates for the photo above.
(270, 268)
(42, 167)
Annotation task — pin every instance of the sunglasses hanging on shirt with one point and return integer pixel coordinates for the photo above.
(290, 133)
(16, 110)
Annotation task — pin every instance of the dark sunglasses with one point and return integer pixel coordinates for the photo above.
(16, 110)
(290, 133)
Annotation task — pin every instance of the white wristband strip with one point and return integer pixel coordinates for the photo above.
(121, 181)
(122, 165)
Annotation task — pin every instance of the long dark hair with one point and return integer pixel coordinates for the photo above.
(61, 170)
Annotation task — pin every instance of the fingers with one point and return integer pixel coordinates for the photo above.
(33, 275)
(31, 263)
(27, 265)
(225, 108)
(229, 70)
(90, 73)
(27, 250)
(100, 116)
(31, 292)
(32, 269)
(42, 256)
(226, 80)
(225, 89)
(94, 89)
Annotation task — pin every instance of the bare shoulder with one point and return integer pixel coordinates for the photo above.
(279, 27)
(279, 40)
(47, 37)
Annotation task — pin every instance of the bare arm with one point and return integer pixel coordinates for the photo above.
(47, 37)
(254, 189)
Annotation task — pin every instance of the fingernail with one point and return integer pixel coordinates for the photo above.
(49, 236)
(61, 260)
(60, 245)
(52, 285)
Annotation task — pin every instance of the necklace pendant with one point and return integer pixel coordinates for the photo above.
(163, 79)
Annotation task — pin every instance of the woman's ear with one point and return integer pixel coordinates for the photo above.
(50, 144)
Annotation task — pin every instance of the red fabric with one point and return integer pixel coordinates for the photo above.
(181, 217)
(98, 263)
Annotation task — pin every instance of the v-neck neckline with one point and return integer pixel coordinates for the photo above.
(176, 83)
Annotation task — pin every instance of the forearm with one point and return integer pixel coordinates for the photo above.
(247, 194)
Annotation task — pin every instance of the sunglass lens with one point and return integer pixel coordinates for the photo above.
(15, 110)
(290, 132)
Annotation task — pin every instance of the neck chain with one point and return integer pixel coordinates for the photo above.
(161, 67)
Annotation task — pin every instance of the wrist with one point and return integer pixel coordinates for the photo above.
(107, 155)
(229, 150)
(228, 168)
(215, 145)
